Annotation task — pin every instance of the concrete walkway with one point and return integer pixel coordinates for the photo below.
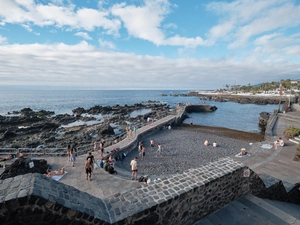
(102, 184)
(277, 163)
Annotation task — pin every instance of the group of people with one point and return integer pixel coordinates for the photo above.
(100, 145)
(71, 152)
(142, 149)
(142, 152)
(214, 144)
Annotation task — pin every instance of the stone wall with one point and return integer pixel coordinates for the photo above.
(178, 199)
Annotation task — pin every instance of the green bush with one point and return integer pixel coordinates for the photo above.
(291, 132)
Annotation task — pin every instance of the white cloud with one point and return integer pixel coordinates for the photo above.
(144, 22)
(84, 65)
(20, 12)
(3, 40)
(83, 35)
(170, 26)
(242, 20)
(106, 44)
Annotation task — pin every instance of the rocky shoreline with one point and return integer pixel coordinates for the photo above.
(35, 129)
(32, 129)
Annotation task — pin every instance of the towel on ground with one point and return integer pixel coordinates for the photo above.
(266, 146)
(241, 156)
(58, 177)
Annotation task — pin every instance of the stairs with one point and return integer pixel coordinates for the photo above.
(251, 210)
(295, 140)
(289, 117)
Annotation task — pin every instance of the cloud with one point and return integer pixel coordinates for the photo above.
(3, 40)
(242, 20)
(85, 66)
(84, 35)
(61, 16)
(106, 44)
(145, 22)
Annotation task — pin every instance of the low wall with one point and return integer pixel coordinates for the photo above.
(271, 123)
(179, 199)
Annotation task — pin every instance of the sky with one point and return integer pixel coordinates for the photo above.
(147, 44)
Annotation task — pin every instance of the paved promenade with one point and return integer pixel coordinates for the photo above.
(102, 184)
(277, 163)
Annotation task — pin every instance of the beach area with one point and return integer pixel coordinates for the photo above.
(183, 148)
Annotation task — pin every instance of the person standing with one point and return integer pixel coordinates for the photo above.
(152, 144)
(143, 153)
(141, 144)
(69, 152)
(88, 169)
(96, 149)
(134, 168)
(159, 150)
(73, 156)
(102, 142)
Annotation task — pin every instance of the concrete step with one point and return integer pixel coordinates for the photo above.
(249, 210)
(294, 140)
(289, 117)
(289, 208)
(297, 138)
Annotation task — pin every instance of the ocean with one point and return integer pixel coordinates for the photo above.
(231, 115)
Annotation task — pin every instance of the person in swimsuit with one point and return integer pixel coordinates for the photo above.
(152, 144)
(143, 153)
(88, 169)
(69, 152)
(159, 150)
(102, 142)
(90, 156)
(50, 173)
(96, 149)
(134, 168)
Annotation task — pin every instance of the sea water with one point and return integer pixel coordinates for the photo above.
(229, 114)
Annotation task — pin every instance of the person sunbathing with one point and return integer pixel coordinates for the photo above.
(206, 143)
(50, 173)
(243, 152)
(9, 157)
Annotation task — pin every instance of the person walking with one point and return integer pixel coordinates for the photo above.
(134, 168)
(69, 152)
(88, 169)
(159, 150)
(90, 156)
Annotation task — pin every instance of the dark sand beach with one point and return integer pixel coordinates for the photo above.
(183, 148)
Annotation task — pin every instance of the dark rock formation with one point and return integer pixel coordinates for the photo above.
(22, 166)
(263, 121)
(28, 128)
(263, 118)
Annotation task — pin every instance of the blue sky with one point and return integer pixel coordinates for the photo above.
(148, 44)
